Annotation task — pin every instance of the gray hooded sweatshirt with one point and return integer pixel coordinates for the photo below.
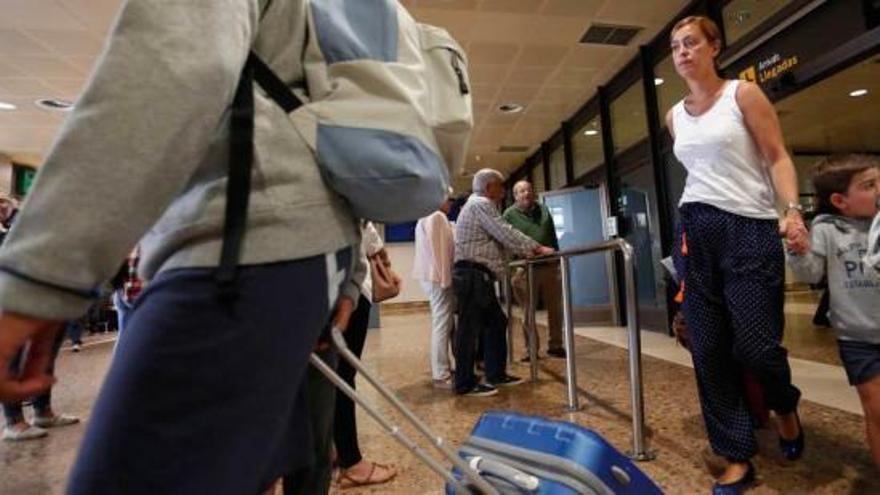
(872, 258)
(838, 247)
(143, 157)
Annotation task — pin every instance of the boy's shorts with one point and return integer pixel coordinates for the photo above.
(860, 359)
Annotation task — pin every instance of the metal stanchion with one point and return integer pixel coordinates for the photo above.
(508, 299)
(531, 324)
(568, 335)
(639, 451)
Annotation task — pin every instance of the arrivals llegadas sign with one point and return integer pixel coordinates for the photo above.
(769, 69)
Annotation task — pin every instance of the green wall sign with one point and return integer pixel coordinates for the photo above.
(22, 179)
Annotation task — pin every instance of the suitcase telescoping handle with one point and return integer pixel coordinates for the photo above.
(477, 482)
(510, 474)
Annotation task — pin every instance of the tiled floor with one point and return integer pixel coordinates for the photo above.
(836, 459)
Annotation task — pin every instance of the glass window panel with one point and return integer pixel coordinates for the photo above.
(743, 16)
(671, 88)
(676, 176)
(557, 168)
(640, 226)
(587, 147)
(628, 122)
(538, 178)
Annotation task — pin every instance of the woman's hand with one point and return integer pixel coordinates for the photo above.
(797, 238)
(344, 309)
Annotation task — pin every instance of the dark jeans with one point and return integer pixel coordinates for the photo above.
(321, 394)
(201, 396)
(344, 425)
(123, 309)
(13, 411)
(480, 318)
(74, 331)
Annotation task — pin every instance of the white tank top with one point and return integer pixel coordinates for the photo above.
(725, 167)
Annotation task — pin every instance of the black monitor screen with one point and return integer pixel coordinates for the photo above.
(872, 13)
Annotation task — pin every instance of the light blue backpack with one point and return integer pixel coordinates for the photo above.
(389, 108)
(388, 114)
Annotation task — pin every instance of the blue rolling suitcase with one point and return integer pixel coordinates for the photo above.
(521, 454)
(507, 453)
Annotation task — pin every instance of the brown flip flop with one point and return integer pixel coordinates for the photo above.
(346, 481)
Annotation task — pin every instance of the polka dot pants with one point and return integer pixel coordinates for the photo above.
(734, 269)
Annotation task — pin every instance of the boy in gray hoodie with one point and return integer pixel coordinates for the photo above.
(848, 189)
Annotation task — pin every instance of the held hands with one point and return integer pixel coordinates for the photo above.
(797, 239)
(15, 332)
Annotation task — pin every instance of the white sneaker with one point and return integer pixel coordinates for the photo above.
(29, 433)
(55, 421)
(76, 347)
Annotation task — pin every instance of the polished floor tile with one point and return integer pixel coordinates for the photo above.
(836, 462)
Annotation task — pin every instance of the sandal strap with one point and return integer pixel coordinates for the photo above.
(344, 475)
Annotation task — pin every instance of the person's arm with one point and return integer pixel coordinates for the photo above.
(872, 257)
(508, 214)
(812, 266)
(372, 241)
(512, 239)
(763, 124)
(157, 97)
(442, 244)
(669, 126)
(436, 230)
(359, 270)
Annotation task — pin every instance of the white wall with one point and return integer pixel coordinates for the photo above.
(402, 255)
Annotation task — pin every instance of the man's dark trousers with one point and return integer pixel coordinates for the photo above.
(479, 317)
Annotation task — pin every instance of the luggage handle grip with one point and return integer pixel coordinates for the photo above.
(439, 443)
(510, 474)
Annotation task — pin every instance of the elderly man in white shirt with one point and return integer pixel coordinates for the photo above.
(432, 267)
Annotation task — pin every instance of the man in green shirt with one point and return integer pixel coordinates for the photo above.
(534, 220)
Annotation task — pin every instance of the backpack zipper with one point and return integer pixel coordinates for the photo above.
(462, 84)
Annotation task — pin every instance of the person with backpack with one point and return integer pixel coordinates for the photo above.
(177, 145)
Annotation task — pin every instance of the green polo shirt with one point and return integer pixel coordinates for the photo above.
(536, 223)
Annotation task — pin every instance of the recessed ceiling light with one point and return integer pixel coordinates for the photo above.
(511, 108)
(658, 81)
(7, 106)
(55, 104)
(859, 92)
(591, 132)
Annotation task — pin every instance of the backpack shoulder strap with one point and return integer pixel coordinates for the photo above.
(274, 87)
(241, 156)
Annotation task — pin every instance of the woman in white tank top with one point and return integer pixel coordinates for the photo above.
(728, 137)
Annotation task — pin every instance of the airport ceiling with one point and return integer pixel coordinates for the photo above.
(525, 52)
(521, 51)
